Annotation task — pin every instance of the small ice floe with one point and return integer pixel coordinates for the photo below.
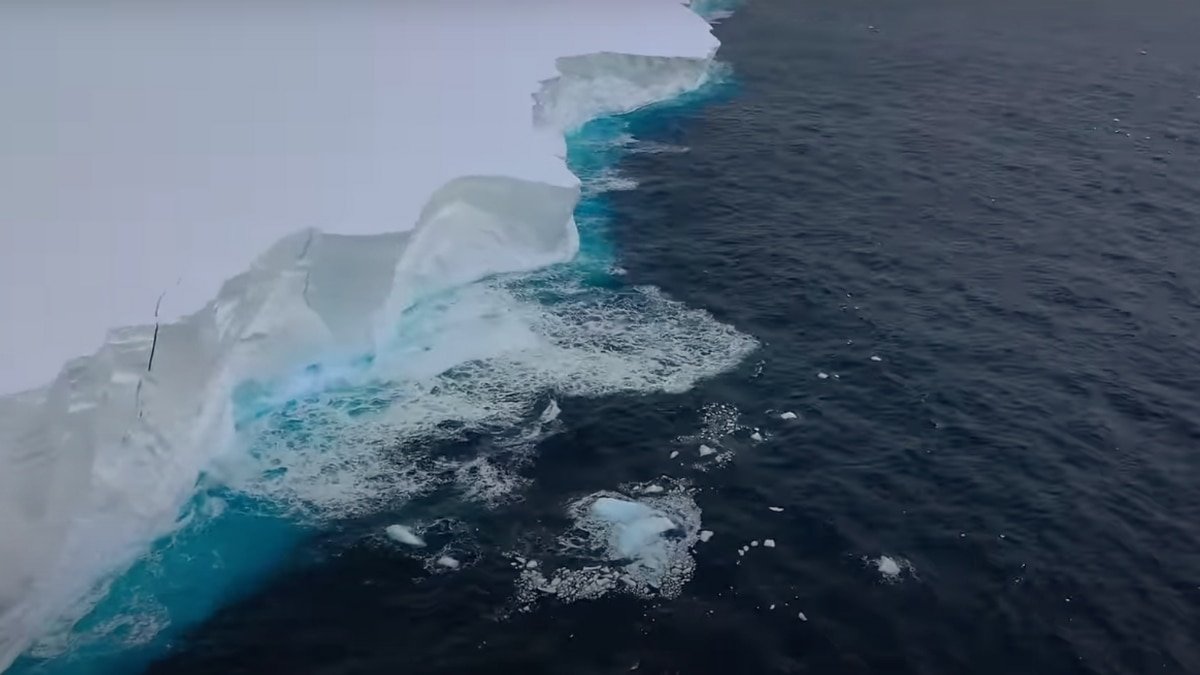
(776, 509)
(743, 550)
(404, 535)
(756, 436)
(705, 451)
(823, 375)
(532, 564)
(705, 535)
(448, 562)
(802, 617)
(891, 568)
(771, 607)
(674, 454)
(769, 543)
(652, 489)
(876, 357)
(754, 543)
(787, 416)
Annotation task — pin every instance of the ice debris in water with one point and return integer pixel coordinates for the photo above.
(776, 509)
(823, 375)
(891, 568)
(652, 489)
(674, 454)
(706, 451)
(756, 436)
(787, 416)
(769, 543)
(634, 545)
(705, 535)
(404, 535)
(875, 357)
(802, 617)
(448, 562)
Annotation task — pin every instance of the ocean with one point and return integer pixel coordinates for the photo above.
(890, 333)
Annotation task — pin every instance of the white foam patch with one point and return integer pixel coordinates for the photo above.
(482, 480)
(487, 354)
(638, 545)
(609, 180)
(643, 147)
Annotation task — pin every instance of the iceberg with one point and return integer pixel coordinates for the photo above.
(196, 195)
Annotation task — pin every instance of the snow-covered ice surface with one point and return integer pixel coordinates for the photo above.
(240, 233)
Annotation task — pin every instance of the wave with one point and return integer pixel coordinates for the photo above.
(102, 461)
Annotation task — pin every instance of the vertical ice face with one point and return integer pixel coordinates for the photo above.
(249, 180)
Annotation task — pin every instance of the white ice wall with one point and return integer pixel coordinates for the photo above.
(257, 166)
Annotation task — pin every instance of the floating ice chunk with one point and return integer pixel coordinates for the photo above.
(705, 535)
(652, 489)
(706, 451)
(754, 543)
(802, 617)
(787, 416)
(448, 562)
(636, 530)
(531, 564)
(776, 509)
(888, 566)
(674, 454)
(741, 551)
(823, 375)
(771, 607)
(875, 357)
(647, 542)
(769, 543)
(404, 535)
(756, 436)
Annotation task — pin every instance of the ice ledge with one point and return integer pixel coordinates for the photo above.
(98, 463)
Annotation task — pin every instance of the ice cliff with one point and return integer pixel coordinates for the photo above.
(194, 194)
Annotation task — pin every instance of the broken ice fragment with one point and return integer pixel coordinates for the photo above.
(404, 535)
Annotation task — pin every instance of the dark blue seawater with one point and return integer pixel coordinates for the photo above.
(998, 201)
